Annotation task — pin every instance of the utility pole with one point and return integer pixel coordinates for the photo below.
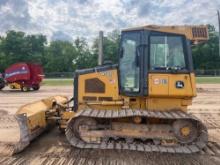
(218, 31)
(100, 58)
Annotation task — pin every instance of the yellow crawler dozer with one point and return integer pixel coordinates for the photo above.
(139, 104)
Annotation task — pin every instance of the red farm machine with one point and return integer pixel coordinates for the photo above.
(24, 76)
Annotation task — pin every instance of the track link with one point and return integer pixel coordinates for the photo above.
(194, 147)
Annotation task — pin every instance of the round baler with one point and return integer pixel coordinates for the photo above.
(24, 76)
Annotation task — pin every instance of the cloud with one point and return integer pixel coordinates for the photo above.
(60, 35)
(82, 1)
(14, 15)
(3, 2)
(67, 19)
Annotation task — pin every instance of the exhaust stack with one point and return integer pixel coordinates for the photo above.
(100, 58)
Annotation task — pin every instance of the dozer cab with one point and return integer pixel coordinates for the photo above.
(139, 104)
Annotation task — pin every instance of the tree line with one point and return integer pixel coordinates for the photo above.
(54, 56)
(66, 56)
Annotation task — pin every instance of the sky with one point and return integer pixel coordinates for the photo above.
(67, 19)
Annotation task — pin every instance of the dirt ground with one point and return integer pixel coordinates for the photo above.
(52, 148)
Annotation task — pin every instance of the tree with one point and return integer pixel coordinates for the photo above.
(110, 46)
(59, 57)
(18, 47)
(206, 55)
(36, 47)
(85, 58)
(3, 59)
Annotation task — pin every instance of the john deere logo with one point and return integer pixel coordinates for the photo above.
(179, 84)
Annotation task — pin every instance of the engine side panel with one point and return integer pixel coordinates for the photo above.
(98, 87)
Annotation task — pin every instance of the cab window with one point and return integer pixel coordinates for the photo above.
(166, 52)
(129, 70)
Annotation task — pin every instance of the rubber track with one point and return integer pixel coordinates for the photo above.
(108, 114)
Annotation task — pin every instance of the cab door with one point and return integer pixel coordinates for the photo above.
(130, 63)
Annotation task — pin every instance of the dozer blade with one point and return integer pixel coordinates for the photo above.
(14, 135)
(17, 131)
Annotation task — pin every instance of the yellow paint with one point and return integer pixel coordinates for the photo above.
(14, 86)
(200, 30)
(163, 93)
(185, 131)
(166, 104)
(193, 83)
(37, 120)
(67, 115)
(158, 85)
(36, 111)
(110, 79)
(165, 85)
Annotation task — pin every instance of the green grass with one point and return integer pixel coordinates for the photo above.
(67, 82)
(57, 82)
(208, 80)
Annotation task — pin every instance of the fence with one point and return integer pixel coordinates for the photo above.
(71, 74)
(207, 72)
(59, 75)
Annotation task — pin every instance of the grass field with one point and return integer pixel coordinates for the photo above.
(57, 82)
(208, 80)
(65, 82)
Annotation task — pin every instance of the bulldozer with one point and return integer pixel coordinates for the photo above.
(138, 104)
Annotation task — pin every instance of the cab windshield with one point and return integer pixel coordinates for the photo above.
(166, 53)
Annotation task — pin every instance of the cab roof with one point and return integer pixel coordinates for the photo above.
(195, 33)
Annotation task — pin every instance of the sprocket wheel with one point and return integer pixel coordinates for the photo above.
(185, 131)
